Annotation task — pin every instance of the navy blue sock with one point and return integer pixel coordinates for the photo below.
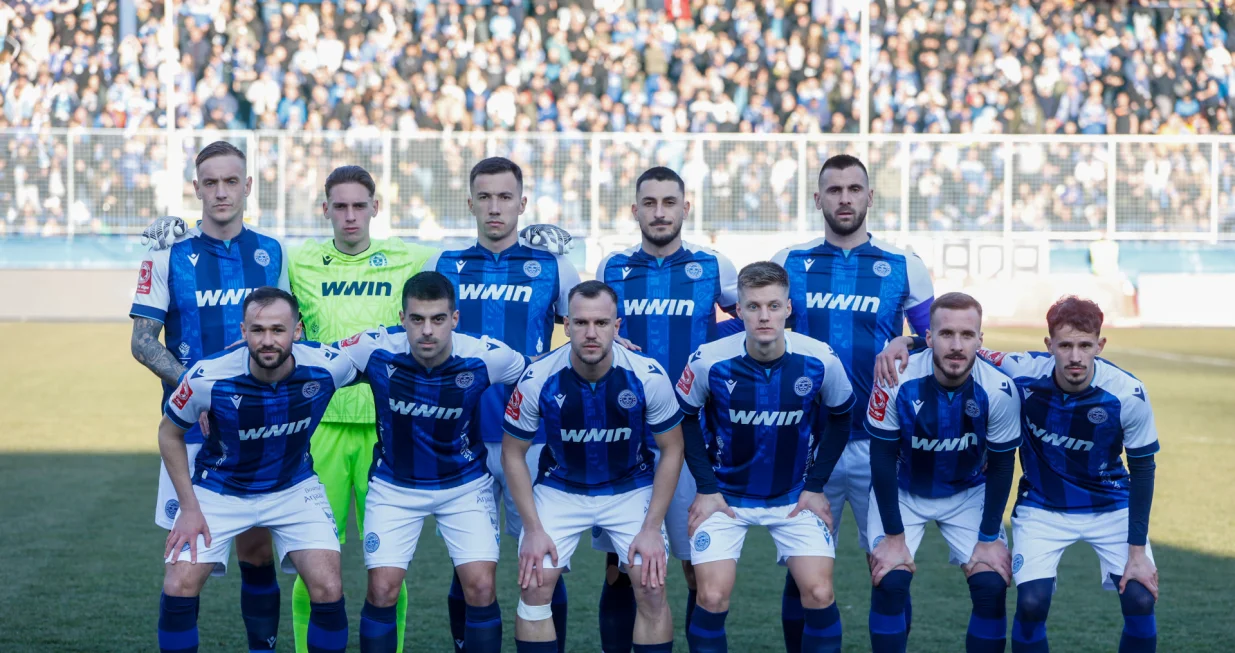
(559, 607)
(988, 623)
(178, 624)
(617, 612)
(821, 632)
(908, 613)
(535, 647)
(707, 632)
(457, 608)
(887, 615)
(259, 605)
(667, 647)
(377, 629)
(690, 605)
(327, 627)
(484, 628)
(791, 618)
(1033, 602)
(1140, 634)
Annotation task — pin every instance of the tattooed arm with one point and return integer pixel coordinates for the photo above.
(149, 351)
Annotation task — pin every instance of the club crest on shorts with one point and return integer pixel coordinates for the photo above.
(971, 408)
(702, 541)
(694, 270)
(262, 258)
(310, 389)
(874, 544)
(465, 379)
(627, 399)
(1018, 561)
(378, 260)
(371, 542)
(532, 269)
(803, 386)
(171, 508)
(1097, 415)
(882, 268)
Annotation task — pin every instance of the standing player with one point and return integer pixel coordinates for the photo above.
(943, 446)
(667, 291)
(427, 381)
(1080, 412)
(346, 285)
(193, 291)
(263, 402)
(762, 392)
(854, 292)
(601, 406)
(511, 293)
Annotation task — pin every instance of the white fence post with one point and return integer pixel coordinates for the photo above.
(1112, 187)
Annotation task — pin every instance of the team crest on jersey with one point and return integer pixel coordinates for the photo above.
(627, 399)
(310, 389)
(183, 349)
(694, 270)
(372, 542)
(971, 408)
(262, 258)
(803, 386)
(1097, 415)
(702, 541)
(1018, 561)
(378, 260)
(882, 268)
(170, 508)
(144, 276)
(531, 269)
(465, 379)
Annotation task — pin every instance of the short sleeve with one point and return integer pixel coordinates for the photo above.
(431, 263)
(662, 410)
(152, 297)
(692, 387)
(359, 348)
(1013, 364)
(505, 364)
(728, 297)
(881, 418)
(836, 391)
(1137, 418)
(523, 409)
(921, 294)
(1003, 419)
(284, 279)
(567, 279)
(781, 257)
(190, 399)
(600, 269)
(341, 367)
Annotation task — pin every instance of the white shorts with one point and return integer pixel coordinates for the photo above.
(959, 517)
(565, 516)
(851, 482)
(167, 506)
(720, 537)
(466, 518)
(501, 491)
(677, 518)
(1040, 536)
(299, 518)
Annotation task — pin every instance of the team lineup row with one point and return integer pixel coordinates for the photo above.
(461, 405)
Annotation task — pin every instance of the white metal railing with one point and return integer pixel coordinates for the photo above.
(1011, 187)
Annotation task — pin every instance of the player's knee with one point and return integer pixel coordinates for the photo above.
(538, 595)
(180, 585)
(712, 599)
(383, 592)
(1033, 599)
(1136, 599)
(987, 589)
(328, 589)
(479, 589)
(818, 595)
(649, 599)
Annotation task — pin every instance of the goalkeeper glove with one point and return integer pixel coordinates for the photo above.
(164, 232)
(547, 237)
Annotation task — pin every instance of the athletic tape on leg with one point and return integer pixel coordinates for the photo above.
(534, 612)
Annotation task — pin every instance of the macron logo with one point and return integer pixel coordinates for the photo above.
(807, 263)
(459, 265)
(841, 302)
(193, 259)
(731, 384)
(595, 435)
(659, 307)
(1057, 440)
(625, 272)
(229, 297)
(275, 431)
(559, 399)
(765, 417)
(495, 291)
(424, 410)
(953, 444)
(917, 406)
(236, 401)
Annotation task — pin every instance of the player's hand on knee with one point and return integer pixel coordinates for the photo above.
(1140, 568)
(551, 238)
(627, 344)
(649, 545)
(891, 553)
(190, 523)
(892, 361)
(817, 504)
(993, 556)
(704, 506)
(164, 232)
(536, 545)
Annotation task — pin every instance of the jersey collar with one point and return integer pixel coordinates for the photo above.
(210, 240)
(480, 250)
(829, 248)
(643, 257)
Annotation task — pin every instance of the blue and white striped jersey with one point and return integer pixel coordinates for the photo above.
(514, 297)
(196, 288)
(597, 434)
(944, 434)
(259, 432)
(668, 306)
(761, 416)
(1071, 456)
(856, 302)
(424, 415)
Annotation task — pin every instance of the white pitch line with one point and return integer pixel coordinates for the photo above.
(1178, 358)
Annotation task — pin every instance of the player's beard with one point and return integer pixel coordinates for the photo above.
(661, 241)
(283, 354)
(940, 362)
(843, 230)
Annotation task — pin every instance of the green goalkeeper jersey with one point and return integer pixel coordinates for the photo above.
(341, 295)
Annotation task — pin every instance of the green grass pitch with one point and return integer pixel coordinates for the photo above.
(79, 554)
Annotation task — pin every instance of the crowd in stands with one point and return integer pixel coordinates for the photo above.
(363, 67)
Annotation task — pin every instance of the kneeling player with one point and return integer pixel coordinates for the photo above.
(763, 393)
(599, 404)
(427, 381)
(263, 402)
(944, 443)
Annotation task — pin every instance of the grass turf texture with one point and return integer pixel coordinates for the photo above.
(79, 555)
